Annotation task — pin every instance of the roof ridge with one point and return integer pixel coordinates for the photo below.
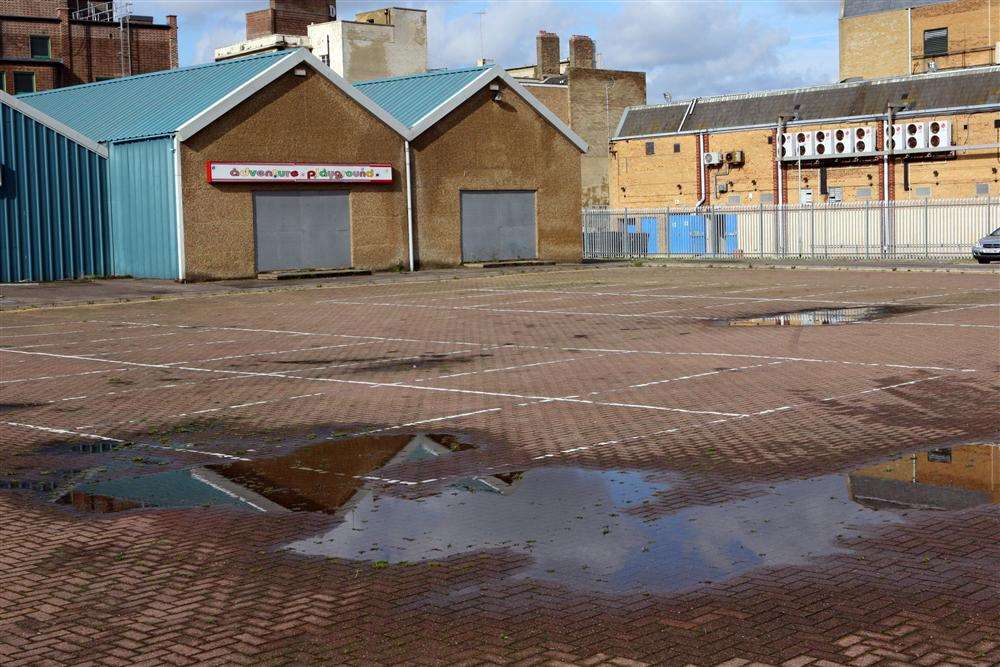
(427, 74)
(277, 55)
(726, 97)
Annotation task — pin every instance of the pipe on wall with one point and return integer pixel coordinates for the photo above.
(409, 205)
(701, 168)
(179, 212)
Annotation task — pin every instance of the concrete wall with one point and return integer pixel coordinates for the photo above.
(594, 117)
(884, 44)
(360, 51)
(484, 145)
(669, 178)
(294, 119)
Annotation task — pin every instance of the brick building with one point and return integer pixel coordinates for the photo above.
(587, 98)
(47, 44)
(881, 38)
(722, 150)
(378, 43)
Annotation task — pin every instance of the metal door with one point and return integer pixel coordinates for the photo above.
(498, 225)
(687, 234)
(302, 230)
(651, 227)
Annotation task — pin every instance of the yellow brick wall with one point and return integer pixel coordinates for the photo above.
(667, 178)
(873, 45)
(876, 45)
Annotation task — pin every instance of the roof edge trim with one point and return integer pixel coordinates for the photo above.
(53, 124)
(296, 57)
(495, 72)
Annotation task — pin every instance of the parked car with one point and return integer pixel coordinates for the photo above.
(987, 248)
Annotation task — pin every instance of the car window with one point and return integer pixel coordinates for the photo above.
(995, 232)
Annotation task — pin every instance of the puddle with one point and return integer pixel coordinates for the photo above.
(315, 478)
(573, 525)
(813, 317)
(951, 478)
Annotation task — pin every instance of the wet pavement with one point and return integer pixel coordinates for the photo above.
(568, 467)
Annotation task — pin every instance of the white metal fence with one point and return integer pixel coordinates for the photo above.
(862, 230)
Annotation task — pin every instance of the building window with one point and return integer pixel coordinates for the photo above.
(734, 200)
(982, 189)
(863, 193)
(936, 42)
(766, 197)
(650, 148)
(924, 192)
(677, 148)
(41, 47)
(24, 82)
(3, 81)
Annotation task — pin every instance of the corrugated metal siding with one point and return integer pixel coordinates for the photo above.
(143, 208)
(54, 222)
(410, 98)
(149, 104)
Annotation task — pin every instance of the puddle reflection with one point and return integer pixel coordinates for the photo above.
(819, 317)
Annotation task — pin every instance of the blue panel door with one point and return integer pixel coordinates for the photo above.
(651, 229)
(732, 242)
(687, 234)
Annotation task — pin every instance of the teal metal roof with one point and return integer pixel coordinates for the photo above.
(410, 98)
(148, 105)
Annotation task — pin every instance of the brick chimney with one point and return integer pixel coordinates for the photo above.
(172, 22)
(547, 54)
(582, 52)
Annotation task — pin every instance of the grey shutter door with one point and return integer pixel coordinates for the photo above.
(498, 225)
(302, 230)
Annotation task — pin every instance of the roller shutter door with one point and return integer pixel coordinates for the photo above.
(498, 225)
(302, 230)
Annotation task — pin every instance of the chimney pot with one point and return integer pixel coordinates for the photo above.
(547, 54)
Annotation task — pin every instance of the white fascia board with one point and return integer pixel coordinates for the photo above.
(477, 84)
(54, 125)
(283, 65)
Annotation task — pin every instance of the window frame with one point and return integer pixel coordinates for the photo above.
(650, 148)
(930, 33)
(48, 47)
(34, 82)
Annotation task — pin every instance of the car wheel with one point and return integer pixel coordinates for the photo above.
(982, 260)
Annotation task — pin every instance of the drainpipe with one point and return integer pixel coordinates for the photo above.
(909, 40)
(409, 205)
(701, 168)
(179, 211)
(777, 155)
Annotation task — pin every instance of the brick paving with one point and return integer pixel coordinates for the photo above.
(601, 368)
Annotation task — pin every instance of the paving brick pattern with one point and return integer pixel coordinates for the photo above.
(606, 368)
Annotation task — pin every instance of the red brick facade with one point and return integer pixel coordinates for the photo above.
(288, 17)
(79, 51)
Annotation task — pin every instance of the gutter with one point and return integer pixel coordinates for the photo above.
(409, 204)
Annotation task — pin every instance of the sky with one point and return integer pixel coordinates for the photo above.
(687, 48)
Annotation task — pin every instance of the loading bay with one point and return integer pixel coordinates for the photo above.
(578, 465)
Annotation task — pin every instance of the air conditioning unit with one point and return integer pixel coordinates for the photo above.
(711, 159)
(894, 138)
(734, 157)
(864, 140)
(787, 147)
(939, 133)
(805, 144)
(843, 141)
(823, 141)
(915, 136)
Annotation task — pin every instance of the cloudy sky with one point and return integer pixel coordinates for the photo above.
(687, 47)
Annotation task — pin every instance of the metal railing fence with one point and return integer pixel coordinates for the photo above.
(931, 229)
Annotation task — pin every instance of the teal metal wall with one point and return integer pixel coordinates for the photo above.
(54, 222)
(144, 208)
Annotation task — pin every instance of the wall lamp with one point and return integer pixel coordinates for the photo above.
(496, 92)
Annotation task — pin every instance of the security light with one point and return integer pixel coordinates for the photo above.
(497, 93)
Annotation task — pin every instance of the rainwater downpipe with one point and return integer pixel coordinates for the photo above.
(701, 167)
(409, 204)
(909, 40)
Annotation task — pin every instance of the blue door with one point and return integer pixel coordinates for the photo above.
(687, 234)
(729, 227)
(651, 229)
